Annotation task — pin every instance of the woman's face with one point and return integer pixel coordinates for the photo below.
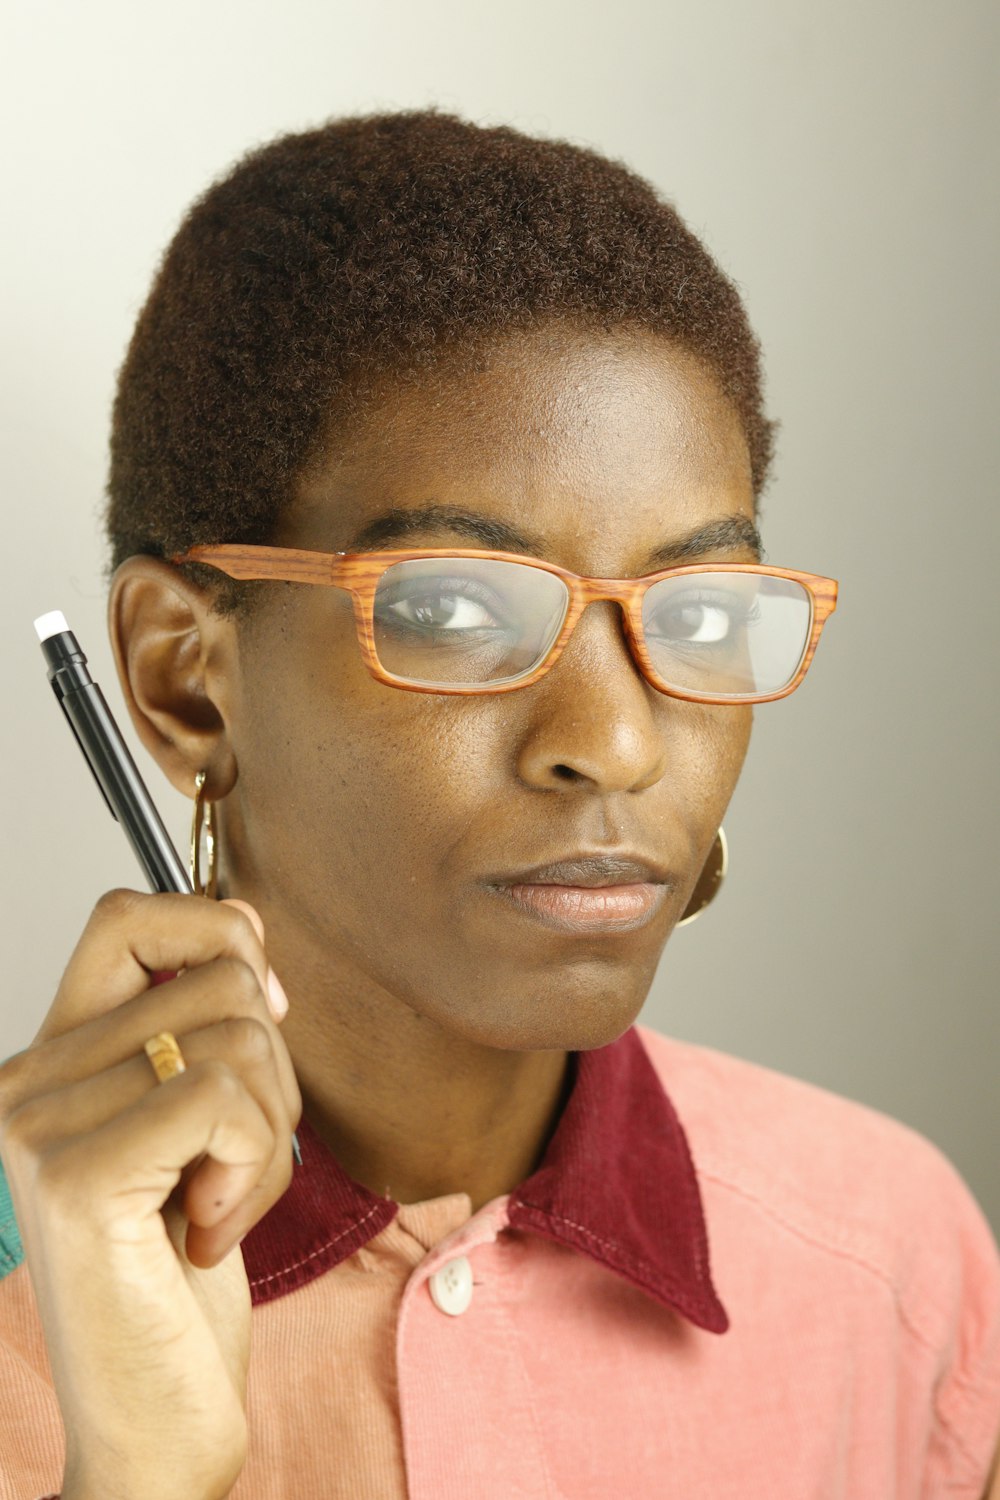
(367, 823)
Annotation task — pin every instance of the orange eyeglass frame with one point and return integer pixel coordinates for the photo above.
(359, 573)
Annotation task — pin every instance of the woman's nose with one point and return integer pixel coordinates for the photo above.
(593, 720)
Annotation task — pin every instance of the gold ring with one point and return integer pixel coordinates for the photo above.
(165, 1055)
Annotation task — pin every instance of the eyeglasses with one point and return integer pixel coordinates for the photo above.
(459, 620)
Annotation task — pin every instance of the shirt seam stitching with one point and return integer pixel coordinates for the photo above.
(968, 1389)
(651, 1278)
(320, 1250)
(608, 1244)
(842, 1253)
(955, 1442)
(943, 1422)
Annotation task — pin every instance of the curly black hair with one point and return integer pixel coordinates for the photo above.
(331, 258)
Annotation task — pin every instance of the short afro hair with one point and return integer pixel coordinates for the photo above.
(330, 259)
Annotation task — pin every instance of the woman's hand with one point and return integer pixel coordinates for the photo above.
(132, 1196)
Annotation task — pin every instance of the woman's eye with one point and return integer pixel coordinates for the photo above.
(699, 622)
(441, 611)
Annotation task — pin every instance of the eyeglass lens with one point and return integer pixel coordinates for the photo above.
(465, 622)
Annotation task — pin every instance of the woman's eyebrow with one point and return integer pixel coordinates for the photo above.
(401, 523)
(729, 532)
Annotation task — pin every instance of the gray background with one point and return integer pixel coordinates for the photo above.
(840, 160)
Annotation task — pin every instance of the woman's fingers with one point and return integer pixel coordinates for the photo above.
(226, 990)
(248, 911)
(130, 936)
(116, 1174)
(91, 1046)
(109, 1139)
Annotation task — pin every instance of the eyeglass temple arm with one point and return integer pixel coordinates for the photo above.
(256, 564)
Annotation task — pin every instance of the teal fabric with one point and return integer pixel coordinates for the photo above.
(11, 1249)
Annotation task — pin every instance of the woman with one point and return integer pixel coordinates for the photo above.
(458, 814)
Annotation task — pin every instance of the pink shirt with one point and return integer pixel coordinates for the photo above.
(573, 1341)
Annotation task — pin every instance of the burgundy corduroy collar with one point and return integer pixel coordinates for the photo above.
(617, 1183)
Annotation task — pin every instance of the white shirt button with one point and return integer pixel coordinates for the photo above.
(451, 1287)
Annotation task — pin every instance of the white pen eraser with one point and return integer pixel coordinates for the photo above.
(50, 624)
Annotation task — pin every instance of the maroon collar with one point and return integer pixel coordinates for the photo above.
(617, 1183)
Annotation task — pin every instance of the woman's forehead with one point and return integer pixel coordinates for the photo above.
(611, 435)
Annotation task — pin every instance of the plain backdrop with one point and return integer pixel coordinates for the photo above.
(840, 160)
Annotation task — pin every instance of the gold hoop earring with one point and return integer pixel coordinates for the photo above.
(708, 883)
(203, 821)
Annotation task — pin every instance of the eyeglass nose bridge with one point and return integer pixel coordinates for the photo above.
(628, 594)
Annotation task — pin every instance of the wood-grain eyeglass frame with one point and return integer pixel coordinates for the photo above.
(359, 574)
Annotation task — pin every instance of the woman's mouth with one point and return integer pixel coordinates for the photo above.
(575, 908)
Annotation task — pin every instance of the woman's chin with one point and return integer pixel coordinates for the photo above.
(576, 1018)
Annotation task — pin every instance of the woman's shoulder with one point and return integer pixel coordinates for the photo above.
(732, 1100)
(845, 1178)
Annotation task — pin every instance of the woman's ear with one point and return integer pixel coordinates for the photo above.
(175, 658)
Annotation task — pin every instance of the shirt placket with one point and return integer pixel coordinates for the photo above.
(470, 1421)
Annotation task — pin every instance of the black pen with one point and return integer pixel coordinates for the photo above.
(107, 755)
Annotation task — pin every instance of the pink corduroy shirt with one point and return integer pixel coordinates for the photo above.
(572, 1340)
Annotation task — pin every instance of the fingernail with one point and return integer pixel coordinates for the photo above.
(277, 999)
(248, 911)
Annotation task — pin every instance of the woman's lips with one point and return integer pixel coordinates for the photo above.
(578, 908)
